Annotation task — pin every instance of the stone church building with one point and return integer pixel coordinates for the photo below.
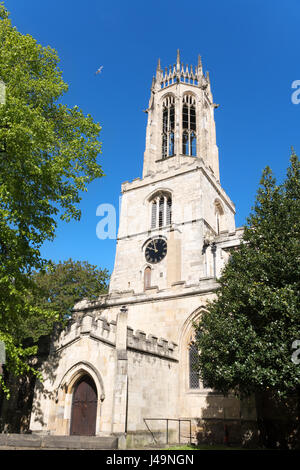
(125, 364)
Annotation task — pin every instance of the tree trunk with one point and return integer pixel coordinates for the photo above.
(262, 432)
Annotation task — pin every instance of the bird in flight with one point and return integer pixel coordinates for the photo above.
(99, 69)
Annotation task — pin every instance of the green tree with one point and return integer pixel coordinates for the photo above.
(245, 337)
(59, 287)
(48, 155)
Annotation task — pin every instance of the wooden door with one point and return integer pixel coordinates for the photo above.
(84, 408)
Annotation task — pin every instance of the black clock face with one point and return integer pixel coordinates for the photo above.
(156, 250)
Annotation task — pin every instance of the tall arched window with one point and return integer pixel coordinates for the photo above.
(168, 126)
(161, 210)
(193, 361)
(194, 379)
(147, 277)
(189, 141)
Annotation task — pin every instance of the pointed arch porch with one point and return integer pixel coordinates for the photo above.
(67, 387)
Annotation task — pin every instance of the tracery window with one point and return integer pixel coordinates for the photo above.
(161, 210)
(168, 126)
(193, 361)
(189, 140)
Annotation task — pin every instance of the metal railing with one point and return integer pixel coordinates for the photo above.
(167, 427)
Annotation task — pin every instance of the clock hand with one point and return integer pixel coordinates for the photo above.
(155, 249)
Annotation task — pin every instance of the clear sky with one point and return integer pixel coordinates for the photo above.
(250, 48)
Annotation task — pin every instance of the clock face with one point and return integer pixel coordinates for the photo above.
(156, 250)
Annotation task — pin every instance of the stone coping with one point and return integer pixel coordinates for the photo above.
(37, 441)
(205, 285)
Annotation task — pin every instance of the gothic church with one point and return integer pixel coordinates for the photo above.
(125, 363)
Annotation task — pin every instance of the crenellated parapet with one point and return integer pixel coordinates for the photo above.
(139, 341)
(87, 324)
(98, 328)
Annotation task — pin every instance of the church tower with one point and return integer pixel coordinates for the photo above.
(180, 118)
(133, 350)
(170, 216)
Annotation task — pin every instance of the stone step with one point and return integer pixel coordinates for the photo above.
(35, 441)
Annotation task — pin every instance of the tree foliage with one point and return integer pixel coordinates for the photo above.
(245, 337)
(48, 155)
(59, 287)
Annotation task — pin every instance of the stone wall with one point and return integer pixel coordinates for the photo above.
(141, 378)
(194, 191)
(111, 353)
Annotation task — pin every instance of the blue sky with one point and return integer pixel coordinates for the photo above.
(250, 48)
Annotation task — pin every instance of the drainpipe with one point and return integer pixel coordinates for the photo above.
(126, 410)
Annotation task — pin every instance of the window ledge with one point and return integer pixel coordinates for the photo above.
(160, 228)
(151, 289)
(172, 156)
(166, 158)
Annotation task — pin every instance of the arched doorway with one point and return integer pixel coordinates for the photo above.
(84, 407)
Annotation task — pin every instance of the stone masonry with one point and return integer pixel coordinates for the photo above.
(176, 233)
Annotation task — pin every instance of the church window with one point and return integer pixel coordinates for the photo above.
(147, 277)
(185, 117)
(193, 144)
(171, 144)
(161, 210)
(153, 214)
(164, 145)
(185, 142)
(169, 211)
(193, 361)
(192, 118)
(168, 127)
(189, 140)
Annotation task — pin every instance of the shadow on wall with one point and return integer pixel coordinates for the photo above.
(15, 413)
(228, 421)
(258, 421)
